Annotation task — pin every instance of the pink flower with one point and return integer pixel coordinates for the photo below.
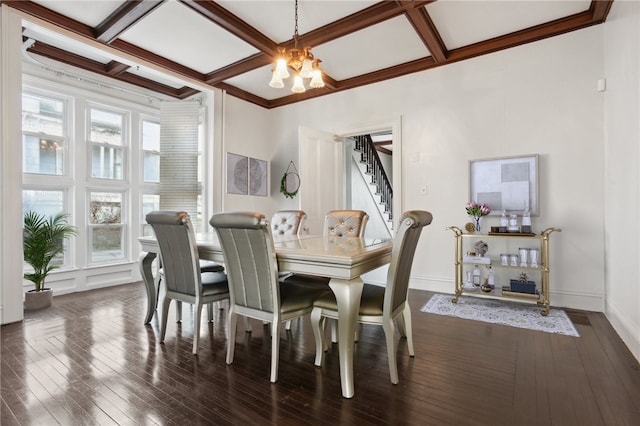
(477, 210)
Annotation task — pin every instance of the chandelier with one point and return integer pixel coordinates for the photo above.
(300, 61)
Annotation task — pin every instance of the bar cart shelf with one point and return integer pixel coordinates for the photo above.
(541, 241)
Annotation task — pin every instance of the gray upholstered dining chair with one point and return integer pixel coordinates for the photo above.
(382, 305)
(337, 223)
(181, 273)
(288, 222)
(345, 223)
(252, 271)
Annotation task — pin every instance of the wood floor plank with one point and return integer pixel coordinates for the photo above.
(89, 360)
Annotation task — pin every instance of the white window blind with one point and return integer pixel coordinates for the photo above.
(179, 156)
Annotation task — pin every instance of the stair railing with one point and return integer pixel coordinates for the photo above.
(370, 158)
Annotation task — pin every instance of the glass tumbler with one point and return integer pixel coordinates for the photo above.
(524, 256)
(533, 258)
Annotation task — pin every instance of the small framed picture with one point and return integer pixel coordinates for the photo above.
(258, 182)
(237, 174)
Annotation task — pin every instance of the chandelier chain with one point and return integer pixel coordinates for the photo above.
(295, 32)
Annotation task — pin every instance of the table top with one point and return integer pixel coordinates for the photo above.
(335, 257)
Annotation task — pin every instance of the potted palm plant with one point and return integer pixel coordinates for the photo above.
(43, 240)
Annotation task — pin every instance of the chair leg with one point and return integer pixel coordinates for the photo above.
(275, 349)
(317, 326)
(210, 311)
(334, 330)
(287, 325)
(197, 313)
(178, 311)
(231, 334)
(406, 320)
(247, 325)
(163, 320)
(389, 334)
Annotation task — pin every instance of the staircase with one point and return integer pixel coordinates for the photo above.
(366, 155)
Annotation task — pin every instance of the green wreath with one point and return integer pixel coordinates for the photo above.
(283, 185)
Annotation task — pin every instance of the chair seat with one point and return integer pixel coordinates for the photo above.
(371, 303)
(214, 283)
(210, 266)
(294, 297)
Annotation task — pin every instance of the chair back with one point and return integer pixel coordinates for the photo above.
(250, 259)
(178, 251)
(287, 222)
(345, 223)
(404, 248)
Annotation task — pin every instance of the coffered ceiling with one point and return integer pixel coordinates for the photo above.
(176, 47)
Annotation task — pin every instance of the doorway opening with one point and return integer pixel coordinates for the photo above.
(387, 142)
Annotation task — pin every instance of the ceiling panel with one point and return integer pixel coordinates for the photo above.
(462, 23)
(183, 36)
(371, 49)
(89, 13)
(275, 19)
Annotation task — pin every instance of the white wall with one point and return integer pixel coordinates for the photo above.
(11, 291)
(538, 98)
(248, 131)
(622, 162)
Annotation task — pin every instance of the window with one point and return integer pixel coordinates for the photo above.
(48, 203)
(78, 147)
(150, 202)
(106, 226)
(106, 140)
(44, 202)
(151, 151)
(44, 157)
(43, 135)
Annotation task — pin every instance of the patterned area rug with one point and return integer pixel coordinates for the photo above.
(501, 312)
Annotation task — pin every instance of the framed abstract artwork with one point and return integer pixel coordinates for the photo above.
(247, 176)
(506, 183)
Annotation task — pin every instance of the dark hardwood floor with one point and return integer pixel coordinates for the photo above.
(89, 360)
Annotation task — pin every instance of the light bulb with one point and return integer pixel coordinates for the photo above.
(297, 87)
(281, 69)
(307, 69)
(276, 81)
(317, 81)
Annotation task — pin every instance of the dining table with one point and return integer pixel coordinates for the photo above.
(342, 259)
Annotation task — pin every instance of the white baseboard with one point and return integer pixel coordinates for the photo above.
(627, 331)
(572, 300)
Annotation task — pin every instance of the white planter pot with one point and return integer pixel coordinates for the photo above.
(34, 300)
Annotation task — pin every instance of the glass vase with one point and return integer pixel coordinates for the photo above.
(477, 223)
